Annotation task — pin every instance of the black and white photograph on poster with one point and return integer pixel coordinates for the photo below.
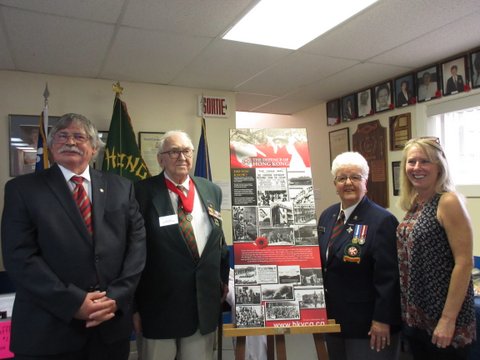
(244, 188)
(244, 223)
(277, 292)
(304, 214)
(282, 214)
(305, 235)
(283, 310)
(289, 274)
(245, 274)
(311, 276)
(249, 295)
(301, 194)
(310, 297)
(264, 216)
(300, 178)
(267, 274)
(278, 236)
(268, 197)
(249, 316)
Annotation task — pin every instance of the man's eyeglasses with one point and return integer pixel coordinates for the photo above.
(342, 179)
(175, 154)
(63, 137)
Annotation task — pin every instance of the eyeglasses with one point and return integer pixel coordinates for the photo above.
(175, 154)
(342, 179)
(63, 137)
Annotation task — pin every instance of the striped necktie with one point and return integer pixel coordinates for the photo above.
(185, 223)
(83, 202)
(337, 229)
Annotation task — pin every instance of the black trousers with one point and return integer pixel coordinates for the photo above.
(421, 347)
(95, 349)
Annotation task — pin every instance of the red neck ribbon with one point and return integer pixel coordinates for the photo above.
(187, 201)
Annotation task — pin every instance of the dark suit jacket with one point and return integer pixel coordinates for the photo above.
(357, 293)
(451, 87)
(54, 261)
(177, 296)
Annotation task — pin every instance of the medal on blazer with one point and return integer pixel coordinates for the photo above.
(352, 253)
(214, 213)
(359, 234)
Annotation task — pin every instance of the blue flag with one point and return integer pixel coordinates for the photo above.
(202, 166)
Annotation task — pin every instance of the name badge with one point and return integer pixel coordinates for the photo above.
(168, 220)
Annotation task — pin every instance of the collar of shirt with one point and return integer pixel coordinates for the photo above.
(185, 184)
(348, 211)
(87, 183)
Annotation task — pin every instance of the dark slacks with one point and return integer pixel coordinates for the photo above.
(340, 348)
(421, 347)
(95, 349)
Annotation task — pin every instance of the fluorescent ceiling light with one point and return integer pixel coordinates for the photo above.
(291, 24)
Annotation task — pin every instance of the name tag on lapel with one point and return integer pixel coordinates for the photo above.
(168, 220)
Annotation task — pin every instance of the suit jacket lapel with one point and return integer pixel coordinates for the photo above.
(99, 194)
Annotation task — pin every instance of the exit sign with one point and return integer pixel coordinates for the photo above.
(212, 106)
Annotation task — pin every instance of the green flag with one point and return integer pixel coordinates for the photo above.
(122, 155)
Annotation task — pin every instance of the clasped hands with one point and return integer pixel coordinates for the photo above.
(96, 308)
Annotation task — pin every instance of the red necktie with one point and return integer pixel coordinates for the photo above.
(83, 202)
(337, 229)
(185, 223)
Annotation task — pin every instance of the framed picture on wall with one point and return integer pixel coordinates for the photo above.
(333, 112)
(23, 141)
(475, 66)
(428, 83)
(148, 144)
(349, 108)
(405, 91)
(396, 177)
(454, 76)
(364, 103)
(383, 97)
(339, 142)
(98, 162)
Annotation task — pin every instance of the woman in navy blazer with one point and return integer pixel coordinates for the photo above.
(360, 270)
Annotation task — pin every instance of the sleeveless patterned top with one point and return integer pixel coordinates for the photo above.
(426, 262)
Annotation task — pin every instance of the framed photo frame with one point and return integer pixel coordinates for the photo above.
(396, 177)
(400, 127)
(98, 163)
(364, 103)
(383, 96)
(339, 142)
(349, 108)
(333, 112)
(475, 69)
(148, 144)
(428, 83)
(23, 141)
(405, 91)
(455, 76)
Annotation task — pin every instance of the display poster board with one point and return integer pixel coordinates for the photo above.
(278, 277)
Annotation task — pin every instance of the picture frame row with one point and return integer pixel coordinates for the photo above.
(431, 82)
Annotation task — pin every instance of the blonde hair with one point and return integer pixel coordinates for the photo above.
(432, 149)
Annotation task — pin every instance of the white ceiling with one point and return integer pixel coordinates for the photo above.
(178, 43)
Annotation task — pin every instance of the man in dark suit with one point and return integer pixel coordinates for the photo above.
(359, 264)
(455, 82)
(184, 281)
(75, 268)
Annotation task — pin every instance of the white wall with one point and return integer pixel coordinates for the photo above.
(151, 108)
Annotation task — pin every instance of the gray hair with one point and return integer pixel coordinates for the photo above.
(350, 158)
(66, 120)
(169, 134)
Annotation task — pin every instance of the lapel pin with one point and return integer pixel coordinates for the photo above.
(101, 190)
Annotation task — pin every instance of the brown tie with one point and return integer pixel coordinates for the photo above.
(83, 202)
(185, 223)
(337, 229)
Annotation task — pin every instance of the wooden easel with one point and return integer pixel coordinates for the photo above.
(276, 338)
